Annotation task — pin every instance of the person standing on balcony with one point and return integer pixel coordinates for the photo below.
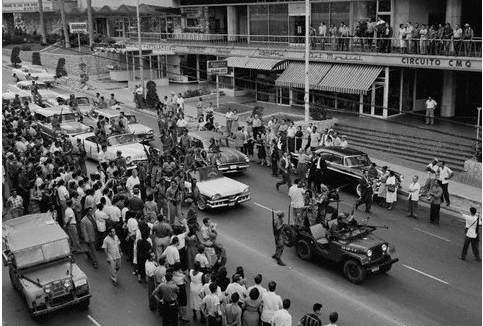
(432, 40)
(439, 39)
(423, 39)
(402, 38)
(430, 106)
(387, 35)
(322, 35)
(457, 34)
(415, 39)
(313, 38)
(467, 38)
(409, 37)
(343, 37)
(371, 25)
(447, 36)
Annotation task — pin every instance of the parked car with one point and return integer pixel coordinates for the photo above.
(23, 96)
(112, 117)
(216, 190)
(130, 145)
(85, 104)
(69, 122)
(227, 160)
(41, 266)
(346, 242)
(43, 88)
(33, 72)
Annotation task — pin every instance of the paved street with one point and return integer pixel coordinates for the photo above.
(428, 286)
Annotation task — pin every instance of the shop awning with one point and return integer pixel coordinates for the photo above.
(294, 75)
(351, 79)
(256, 63)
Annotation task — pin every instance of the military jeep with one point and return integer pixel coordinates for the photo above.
(41, 266)
(354, 246)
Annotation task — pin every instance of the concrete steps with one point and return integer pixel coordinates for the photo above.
(413, 148)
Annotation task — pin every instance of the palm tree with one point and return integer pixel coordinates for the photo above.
(90, 27)
(64, 24)
(42, 23)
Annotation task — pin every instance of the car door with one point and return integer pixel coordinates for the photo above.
(90, 145)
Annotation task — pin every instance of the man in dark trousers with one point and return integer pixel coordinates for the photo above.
(317, 171)
(167, 296)
(278, 233)
(435, 195)
(366, 192)
(284, 168)
(473, 223)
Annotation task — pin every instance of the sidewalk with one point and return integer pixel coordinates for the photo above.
(462, 196)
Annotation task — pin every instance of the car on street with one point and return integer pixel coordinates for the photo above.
(41, 266)
(216, 190)
(85, 104)
(216, 147)
(130, 145)
(112, 118)
(69, 124)
(353, 246)
(23, 96)
(44, 89)
(33, 72)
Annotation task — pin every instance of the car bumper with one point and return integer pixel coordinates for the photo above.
(148, 137)
(49, 309)
(375, 267)
(233, 168)
(228, 201)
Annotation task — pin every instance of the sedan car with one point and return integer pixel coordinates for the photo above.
(33, 72)
(228, 160)
(217, 190)
(345, 166)
(132, 150)
(43, 88)
(112, 118)
(69, 122)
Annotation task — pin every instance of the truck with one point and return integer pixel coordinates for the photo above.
(41, 266)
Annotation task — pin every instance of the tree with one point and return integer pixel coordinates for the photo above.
(84, 77)
(60, 70)
(152, 97)
(36, 58)
(42, 23)
(14, 58)
(90, 26)
(64, 24)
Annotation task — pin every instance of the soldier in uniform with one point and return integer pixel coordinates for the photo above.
(120, 162)
(55, 122)
(79, 154)
(278, 233)
(67, 149)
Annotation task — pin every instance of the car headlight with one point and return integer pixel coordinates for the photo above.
(129, 160)
(401, 178)
(48, 288)
(246, 190)
(369, 253)
(384, 247)
(216, 197)
(67, 283)
(218, 162)
(150, 132)
(247, 159)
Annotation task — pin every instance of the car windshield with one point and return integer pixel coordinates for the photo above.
(131, 119)
(83, 101)
(209, 173)
(123, 139)
(359, 160)
(219, 142)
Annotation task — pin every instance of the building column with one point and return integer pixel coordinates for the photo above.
(150, 68)
(415, 89)
(401, 89)
(385, 101)
(198, 68)
(232, 22)
(448, 99)
(361, 103)
(373, 99)
(290, 96)
(453, 12)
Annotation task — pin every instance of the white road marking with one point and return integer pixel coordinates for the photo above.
(265, 207)
(425, 274)
(433, 235)
(93, 320)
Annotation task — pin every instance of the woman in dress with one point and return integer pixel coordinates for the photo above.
(143, 252)
(233, 311)
(196, 283)
(402, 38)
(251, 308)
(191, 244)
(391, 187)
(381, 194)
(180, 279)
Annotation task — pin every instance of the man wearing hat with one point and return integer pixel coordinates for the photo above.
(433, 171)
(278, 233)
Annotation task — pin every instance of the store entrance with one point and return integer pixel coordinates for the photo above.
(297, 29)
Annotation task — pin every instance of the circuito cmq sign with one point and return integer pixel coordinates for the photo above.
(78, 28)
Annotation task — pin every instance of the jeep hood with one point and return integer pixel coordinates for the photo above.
(49, 274)
(223, 186)
(364, 243)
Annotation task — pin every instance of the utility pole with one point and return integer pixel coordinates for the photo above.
(141, 72)
(307, 48)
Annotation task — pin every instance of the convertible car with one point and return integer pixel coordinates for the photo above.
(217, 190)
(33, 72)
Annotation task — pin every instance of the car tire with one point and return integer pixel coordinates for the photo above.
(84, 305)
(289, 235)
(303, 250)
(201, 203)
(358, 190)
(354, 272)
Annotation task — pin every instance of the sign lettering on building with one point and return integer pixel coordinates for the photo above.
(78, 27)
(429, 62)
(271, 53)
(217, 67)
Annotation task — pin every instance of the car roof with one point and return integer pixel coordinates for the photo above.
(58, 109)
(110, 112)
(11, 94)
(341, 150)
(206, 135)
(27, 238)
(29, 82)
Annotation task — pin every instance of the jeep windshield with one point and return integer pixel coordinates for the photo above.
(357, 161)
(209, 173)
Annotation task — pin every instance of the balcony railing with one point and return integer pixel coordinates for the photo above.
(433, 47)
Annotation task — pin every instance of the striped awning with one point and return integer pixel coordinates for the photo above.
(256, 63)
(294, 75)
(351, 79)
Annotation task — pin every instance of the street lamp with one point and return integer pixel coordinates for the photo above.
(140, 48)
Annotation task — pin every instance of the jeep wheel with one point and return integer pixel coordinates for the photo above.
(201, 203)
(84, 305)
(289, 235)
(303, 250)
(354, 272)
(358, 190)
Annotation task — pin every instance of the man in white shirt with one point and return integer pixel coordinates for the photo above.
(322, 34)
(171, 252)
(473, 223)
(132, 181)
(282, 317)
(430, 106)
(258, 282)
(70, 224)
(433, 170)
(445, 173)
(297, 196)
(102, 157)
(180, 101)
(413, 197)
(271, 302)
(100, 217)
(237, 287)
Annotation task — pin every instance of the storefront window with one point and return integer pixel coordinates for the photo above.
(320, 14)
(364, 10)
(259, 20)
(384, 5)
(340, 13)
(278, 23)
